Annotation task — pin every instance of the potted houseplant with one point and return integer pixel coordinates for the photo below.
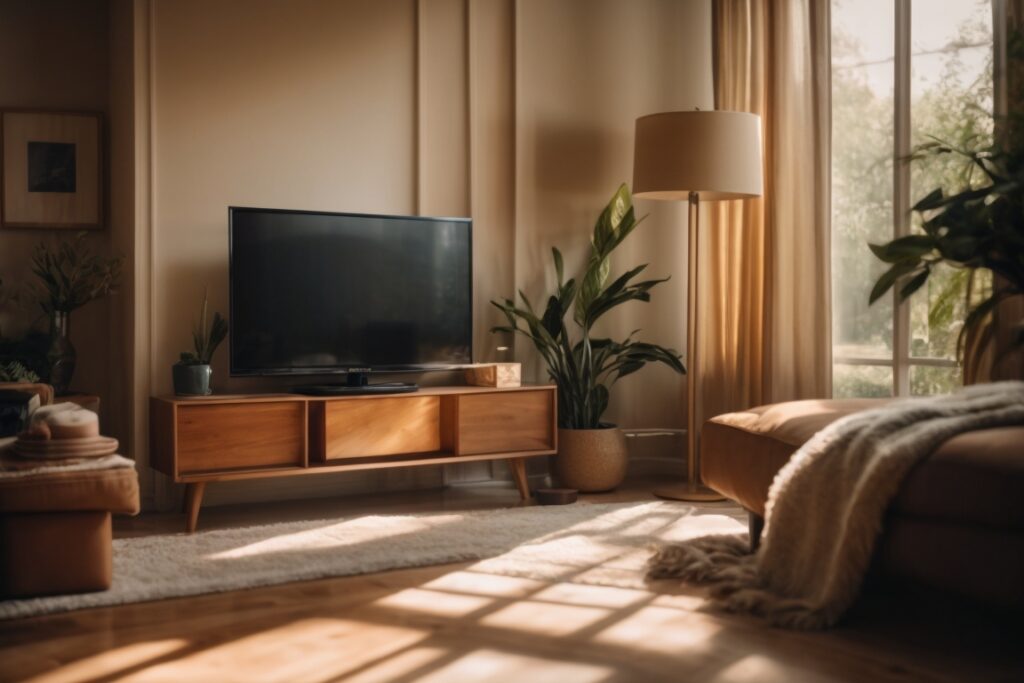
(977, 226)
(70, 276)
(591, 454)
(192, 372)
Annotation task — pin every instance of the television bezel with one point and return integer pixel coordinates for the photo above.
(344, 369)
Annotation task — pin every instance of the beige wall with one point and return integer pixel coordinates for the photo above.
(586, 70)
(517, 113)
(55, 54)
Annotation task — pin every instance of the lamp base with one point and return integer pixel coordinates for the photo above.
(690, 492)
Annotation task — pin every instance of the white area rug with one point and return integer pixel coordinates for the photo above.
(606, 544)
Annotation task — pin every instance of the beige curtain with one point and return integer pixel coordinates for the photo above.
(765, 295)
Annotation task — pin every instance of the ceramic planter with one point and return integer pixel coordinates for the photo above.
(591, 460)
(191, 380)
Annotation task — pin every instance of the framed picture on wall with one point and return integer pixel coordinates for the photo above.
(52, 170)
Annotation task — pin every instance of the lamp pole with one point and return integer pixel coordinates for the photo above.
(692, 490)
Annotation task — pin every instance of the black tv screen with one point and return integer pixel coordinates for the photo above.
(316, 293)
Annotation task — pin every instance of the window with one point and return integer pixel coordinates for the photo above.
(903, 71)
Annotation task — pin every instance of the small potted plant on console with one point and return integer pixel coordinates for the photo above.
(192, 372)
(591, 454)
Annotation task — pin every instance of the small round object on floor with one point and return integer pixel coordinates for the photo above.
(556, 496)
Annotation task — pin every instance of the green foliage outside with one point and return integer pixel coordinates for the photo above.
(957, 108)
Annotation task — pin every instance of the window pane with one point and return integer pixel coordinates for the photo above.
(854, 381)
(951, 99)
(926, 380)
(862, 149)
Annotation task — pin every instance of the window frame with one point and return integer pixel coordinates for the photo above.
(901, 360)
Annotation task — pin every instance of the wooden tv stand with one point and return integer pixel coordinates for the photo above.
(221, 438)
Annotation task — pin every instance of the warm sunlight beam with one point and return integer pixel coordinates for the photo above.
(662, 630)
(313, 649)
(756, 668)
(544, 618)
(433, 602)
(485, 584)
(112, 662)
(339, 535)
(400, 667)
(503, 667)
(591, 596)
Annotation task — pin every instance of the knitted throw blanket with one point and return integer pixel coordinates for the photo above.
(826, 506)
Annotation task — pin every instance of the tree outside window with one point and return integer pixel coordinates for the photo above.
(883, 105)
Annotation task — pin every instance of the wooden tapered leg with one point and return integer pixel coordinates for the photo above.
(519, 475)
(193, 499)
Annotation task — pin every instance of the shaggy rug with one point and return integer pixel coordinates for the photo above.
(606, 544)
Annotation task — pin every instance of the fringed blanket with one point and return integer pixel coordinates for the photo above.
(825, 508)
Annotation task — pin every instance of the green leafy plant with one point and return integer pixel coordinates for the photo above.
(975, 225)
(14, 371)
(585, 368)
(71, 274)
(205, 337)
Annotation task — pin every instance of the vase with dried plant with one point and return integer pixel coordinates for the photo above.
(70, 274)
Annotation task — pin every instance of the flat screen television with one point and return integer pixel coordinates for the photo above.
(315, 292)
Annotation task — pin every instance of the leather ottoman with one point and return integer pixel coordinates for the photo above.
(55, 531)
(957, 524)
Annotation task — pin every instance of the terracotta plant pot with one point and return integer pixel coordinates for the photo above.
(591, 460)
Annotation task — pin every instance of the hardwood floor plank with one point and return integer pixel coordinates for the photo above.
(453, 623)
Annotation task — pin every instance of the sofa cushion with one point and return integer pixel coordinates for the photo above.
(742, 451)
(974, 478)
(111, 490)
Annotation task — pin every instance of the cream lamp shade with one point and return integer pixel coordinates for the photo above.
(716, 154)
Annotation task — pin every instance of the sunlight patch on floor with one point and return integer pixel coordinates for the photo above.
(338, 535)
(661, 629)
(591, 596)
(503, 667)
(113, 661)
(757, 668)
(283, 653)
(399, 667)
(480, 583)
(545, 618)
(439, 603)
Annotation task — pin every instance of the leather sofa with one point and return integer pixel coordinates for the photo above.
(957, 524)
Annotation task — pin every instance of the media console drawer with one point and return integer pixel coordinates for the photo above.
(230, 436)
(505, 422)
(383, 426)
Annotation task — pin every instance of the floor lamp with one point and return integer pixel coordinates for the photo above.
(696, 155)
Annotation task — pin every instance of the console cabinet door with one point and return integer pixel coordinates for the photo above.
(357, 428)
(232, 436)
(506, 422)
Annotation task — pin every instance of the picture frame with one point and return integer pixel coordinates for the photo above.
(51, 169)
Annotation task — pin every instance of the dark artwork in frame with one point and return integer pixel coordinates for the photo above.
(51, 167)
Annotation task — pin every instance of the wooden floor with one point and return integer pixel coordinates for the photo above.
(450, 624)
